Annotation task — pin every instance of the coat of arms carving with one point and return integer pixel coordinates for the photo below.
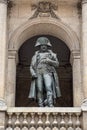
(44, 9)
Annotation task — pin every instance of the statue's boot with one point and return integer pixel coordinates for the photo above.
(40, 102)
(45, 102)
(50, 100)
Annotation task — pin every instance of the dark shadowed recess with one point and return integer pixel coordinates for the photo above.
(64, 71)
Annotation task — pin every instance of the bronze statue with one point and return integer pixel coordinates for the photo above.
(45, 85)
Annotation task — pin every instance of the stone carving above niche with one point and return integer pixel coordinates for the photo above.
(84, 1)
(4, 1)
(44, 9)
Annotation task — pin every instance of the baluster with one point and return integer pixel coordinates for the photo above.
(40, 123)
(62, 123)
(47, 123)
(17, 122)
(25, 123)
(32, 123)
(40, 119)
(78, 124)
(55, 123)
(70, 123)
(9, 121)
(32, 128)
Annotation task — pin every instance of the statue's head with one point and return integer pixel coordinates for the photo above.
(43, 41)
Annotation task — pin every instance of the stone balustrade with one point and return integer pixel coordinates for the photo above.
(44, 118)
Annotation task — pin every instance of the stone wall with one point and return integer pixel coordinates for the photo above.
(20, 11)
(61, 19)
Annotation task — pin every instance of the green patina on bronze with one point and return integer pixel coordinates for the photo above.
(45, 84)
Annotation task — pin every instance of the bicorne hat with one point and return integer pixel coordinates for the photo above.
(42, 41)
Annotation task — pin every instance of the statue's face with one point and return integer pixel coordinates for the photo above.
(43, 48)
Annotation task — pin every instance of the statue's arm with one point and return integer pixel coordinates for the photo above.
(32, 67)
(32, 71)
(54, 61)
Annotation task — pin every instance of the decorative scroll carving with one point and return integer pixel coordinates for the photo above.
(44, 9)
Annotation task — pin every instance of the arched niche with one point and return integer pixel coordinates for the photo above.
(44, 26)
(64, 71)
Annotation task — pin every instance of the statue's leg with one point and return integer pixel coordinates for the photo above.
(48, 86)
(40, 90)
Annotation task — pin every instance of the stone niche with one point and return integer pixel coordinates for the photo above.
(28, 19)
(23, 77)
(54, 28)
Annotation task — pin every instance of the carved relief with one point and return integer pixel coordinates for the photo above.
(3, 1)
(44, 9)
(84, 1)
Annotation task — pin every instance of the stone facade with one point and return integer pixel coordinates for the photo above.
(23, 19)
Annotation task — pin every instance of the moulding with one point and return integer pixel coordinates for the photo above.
(12, 54)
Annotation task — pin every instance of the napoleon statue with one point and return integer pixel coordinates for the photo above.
(44, 85)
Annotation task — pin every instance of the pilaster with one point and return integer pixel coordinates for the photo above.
(84, 49)
(3, 61)
(3, 46)
(77, 90)
(11, 78)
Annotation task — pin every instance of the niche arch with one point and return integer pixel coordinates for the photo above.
(64, 71)
(44, 26)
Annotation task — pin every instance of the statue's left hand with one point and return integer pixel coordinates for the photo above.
(44, 60)
(48, 60)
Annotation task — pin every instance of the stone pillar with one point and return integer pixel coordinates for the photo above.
(77, 90)
(3, 46)
(3, 109)
(84, 117)
(84, 49)
(10, 93)
(3, 56)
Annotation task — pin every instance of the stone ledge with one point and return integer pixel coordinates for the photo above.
(44, 109)
(84, 108)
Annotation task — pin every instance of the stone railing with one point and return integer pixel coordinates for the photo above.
(44, 118)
